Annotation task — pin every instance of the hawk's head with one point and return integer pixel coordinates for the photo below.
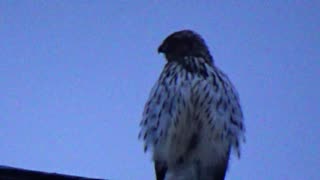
(185, 43)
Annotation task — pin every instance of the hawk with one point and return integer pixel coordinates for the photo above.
(192, 120)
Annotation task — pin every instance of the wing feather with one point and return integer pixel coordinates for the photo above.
(166, 105)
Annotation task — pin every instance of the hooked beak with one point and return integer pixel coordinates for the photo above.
(162, 48)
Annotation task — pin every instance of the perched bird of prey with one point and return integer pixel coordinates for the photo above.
(192, 120)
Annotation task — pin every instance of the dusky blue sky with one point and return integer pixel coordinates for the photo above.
(74, 77)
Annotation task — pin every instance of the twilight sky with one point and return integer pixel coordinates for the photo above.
(74, 77)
